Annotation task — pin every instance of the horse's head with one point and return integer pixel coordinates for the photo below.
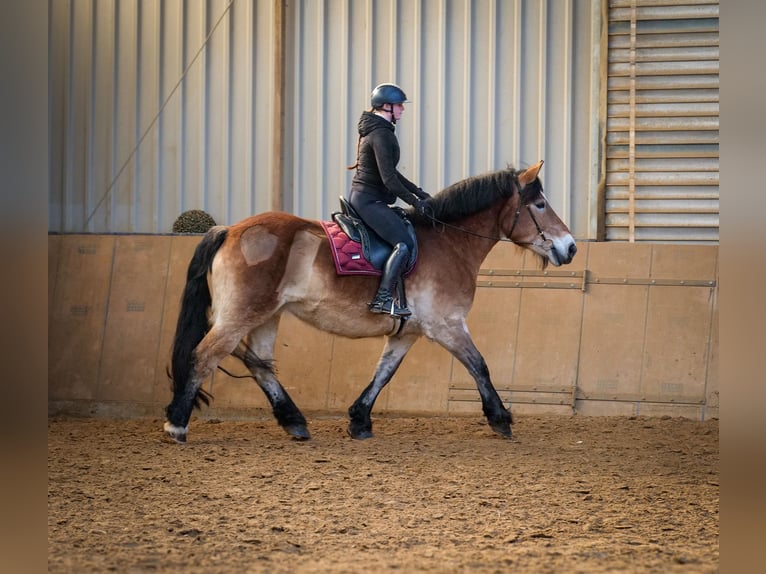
(529, 220)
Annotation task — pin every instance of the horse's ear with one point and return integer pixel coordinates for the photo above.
(530, 174)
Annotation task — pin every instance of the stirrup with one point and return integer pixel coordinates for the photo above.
(389, 307)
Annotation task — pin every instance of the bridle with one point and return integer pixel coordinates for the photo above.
(547, 244)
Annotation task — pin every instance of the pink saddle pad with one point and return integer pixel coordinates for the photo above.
(346, 253)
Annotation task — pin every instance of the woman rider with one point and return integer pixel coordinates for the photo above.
(377, 184)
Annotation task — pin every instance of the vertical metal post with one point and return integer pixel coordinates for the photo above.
(277, 167)
(632, 129)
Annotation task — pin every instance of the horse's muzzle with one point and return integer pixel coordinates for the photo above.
(562, 250)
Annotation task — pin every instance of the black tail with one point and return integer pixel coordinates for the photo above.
(192, 318)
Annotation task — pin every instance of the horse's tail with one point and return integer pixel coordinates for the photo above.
(193, 323)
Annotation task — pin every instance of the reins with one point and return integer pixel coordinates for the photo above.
(546, 241)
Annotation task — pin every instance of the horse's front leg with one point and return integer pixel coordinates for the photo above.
(458, 342)
(257, 352)
(360, 423)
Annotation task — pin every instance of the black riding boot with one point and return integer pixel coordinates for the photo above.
(384, 301)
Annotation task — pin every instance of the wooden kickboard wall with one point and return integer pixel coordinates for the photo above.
(626, 329)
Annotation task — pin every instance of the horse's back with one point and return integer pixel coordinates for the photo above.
(278, 222)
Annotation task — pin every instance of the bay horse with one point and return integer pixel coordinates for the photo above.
(241, 278)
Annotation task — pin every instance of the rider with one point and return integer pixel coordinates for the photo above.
(377, 184)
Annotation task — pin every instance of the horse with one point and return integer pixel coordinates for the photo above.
(241, 278)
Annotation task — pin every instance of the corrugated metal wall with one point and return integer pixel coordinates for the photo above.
(491, 83)
(662, 145)
(192, 82)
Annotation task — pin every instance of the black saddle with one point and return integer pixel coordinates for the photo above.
(374, 248)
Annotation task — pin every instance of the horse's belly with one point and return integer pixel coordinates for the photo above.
(338, 321)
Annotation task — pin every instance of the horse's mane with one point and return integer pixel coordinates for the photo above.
(475, 194)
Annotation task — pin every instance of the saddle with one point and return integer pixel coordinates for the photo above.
(357, 249)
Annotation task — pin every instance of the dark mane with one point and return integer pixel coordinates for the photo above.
(476, 194)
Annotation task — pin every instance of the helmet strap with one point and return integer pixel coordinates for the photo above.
(390, 110)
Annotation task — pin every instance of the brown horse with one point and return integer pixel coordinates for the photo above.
(241, 278)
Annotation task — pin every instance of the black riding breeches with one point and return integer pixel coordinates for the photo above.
(381, 219)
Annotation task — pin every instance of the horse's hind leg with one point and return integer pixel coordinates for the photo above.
(360, 423)
(257, 352)
(216, 344)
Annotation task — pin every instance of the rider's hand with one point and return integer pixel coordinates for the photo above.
(422, 194)
(423, 208)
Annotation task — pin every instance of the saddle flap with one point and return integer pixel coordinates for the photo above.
(350, 225)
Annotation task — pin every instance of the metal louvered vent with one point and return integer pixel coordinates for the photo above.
(662, 121)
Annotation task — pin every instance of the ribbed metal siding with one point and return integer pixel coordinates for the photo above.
(113, 65)
(663, 187)
(491, 83)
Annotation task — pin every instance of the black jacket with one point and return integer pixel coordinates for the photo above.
(377, 158)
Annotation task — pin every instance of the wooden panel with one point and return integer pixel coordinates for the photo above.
(505, 256)
(236, 393)
(498, 336)
(470, 406)
(78, 316)
(530, 409)
(618, 260)
(54, 257)
(670, 410)
(712, 390)
(675, 356)
(492, 323)
(132, 335)
(697, 262)
(638, 408)
(181, 250)
(606, 408)
(353, 364)
(613, 326)
(548, 339)
(421, 384)
(304, 358)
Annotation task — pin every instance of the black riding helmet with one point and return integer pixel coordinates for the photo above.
(387, 94)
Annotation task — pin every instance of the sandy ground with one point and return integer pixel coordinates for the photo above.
(566, 494)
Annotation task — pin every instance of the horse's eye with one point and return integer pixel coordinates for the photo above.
(540, 205)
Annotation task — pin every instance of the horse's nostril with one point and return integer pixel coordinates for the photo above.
(572, 250)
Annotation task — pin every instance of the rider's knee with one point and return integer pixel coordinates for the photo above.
(402, 247)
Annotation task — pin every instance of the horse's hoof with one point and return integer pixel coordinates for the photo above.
(359, 434)
(178, 434)
(501, 428)
(298, 432)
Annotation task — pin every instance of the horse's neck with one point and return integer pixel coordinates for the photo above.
(475, 237)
